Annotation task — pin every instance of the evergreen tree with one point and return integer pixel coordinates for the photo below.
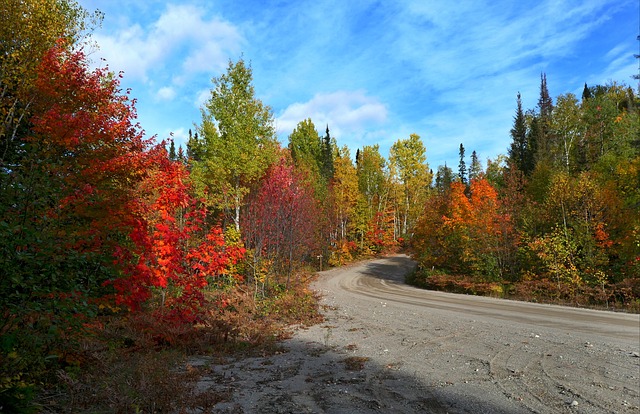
(475, 169)
(545, 103)
(586, 92)
(545, 112)
(172, 151)
(462, 167)
(444, 178)
(181, 156)
(327, 156)
(194, 147)
(519, 150)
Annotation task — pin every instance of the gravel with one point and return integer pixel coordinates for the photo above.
(385, 347)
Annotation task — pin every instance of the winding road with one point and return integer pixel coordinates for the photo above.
(478, 354)
(376, 280)
(385, 347)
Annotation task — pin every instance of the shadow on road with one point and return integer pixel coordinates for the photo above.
(311, 377)
(391, 268)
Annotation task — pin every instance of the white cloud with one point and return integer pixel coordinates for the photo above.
(346, 112)
(176, 36)
(202, 97)
(166, 94)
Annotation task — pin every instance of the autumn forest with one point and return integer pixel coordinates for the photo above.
(111, 240)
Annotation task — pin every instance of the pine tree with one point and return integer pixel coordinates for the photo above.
(462, 167)
(172, 151)
(475, 169)
(327, 156)
(519, 150)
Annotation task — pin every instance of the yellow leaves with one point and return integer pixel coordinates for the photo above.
(558, 252)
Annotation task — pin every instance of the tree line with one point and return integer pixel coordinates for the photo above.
(555, 220)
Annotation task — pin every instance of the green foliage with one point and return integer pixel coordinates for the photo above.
(407, 161)
(306, 147)
(237, 141)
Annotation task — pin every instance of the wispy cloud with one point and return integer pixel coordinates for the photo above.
(346, 113)
(166, 94)
(374, 71)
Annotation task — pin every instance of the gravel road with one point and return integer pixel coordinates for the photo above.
(388, 347)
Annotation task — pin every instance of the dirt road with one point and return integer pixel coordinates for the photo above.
(388, 347)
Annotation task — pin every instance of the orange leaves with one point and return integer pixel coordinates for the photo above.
(460, 209)
(474, 228)
(479, 210)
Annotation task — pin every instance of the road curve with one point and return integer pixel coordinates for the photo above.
(374, 280)
(477, 354)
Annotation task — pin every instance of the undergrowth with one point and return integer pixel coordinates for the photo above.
(136, 362)
(622, 296)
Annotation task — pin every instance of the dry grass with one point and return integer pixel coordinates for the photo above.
(355, 363)
(136, 363)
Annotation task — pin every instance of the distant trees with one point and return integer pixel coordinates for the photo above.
(561, 215)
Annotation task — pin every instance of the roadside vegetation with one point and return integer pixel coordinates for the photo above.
(122, 255)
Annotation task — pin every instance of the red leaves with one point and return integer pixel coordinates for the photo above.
(171, 251)
(84, 140)
(280, 216)
(106, 183)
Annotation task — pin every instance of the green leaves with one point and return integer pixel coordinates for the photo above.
(238, 140)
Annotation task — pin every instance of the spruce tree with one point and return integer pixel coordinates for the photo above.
(172, 151)
(475, 169)
(518, 152)
(462, 167)
(586, 93)
(545, 112)
(327, 156)
(194, 147)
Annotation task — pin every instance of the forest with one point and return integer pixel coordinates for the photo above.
(115, 247)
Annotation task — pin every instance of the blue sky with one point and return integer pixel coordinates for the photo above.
(375, 71)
